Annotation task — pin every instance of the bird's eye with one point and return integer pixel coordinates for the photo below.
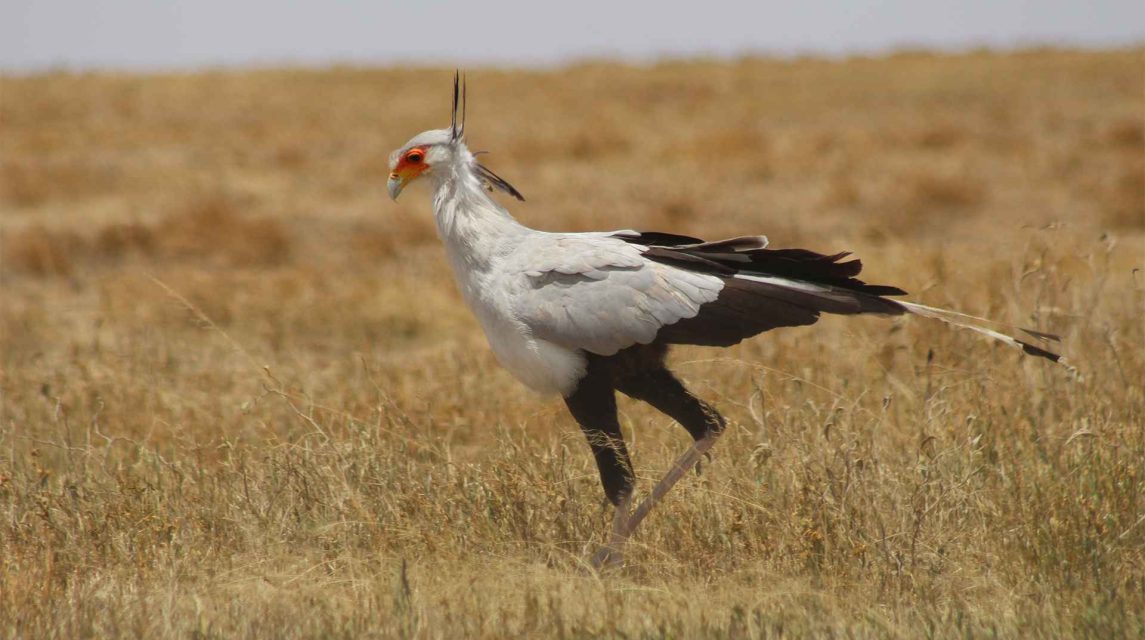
(414, 157)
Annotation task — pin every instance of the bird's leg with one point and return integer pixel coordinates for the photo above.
(659, 388)
(642, 375)
(613, 553)
(625, 523)
(593, 405)
(687, 461)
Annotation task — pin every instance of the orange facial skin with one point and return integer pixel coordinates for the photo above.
(410, 165)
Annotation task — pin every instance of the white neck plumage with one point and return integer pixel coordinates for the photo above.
(473, 228)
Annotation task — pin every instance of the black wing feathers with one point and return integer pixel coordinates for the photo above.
(746, 255)
(769, 288)
(742, 310)
(750, 303)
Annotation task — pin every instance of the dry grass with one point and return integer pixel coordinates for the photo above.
(242, 398)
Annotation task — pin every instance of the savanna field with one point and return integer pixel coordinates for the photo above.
(241, 396)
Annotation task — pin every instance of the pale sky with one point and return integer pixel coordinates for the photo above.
(182, 34)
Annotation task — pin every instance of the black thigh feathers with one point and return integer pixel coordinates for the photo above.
(637, 372)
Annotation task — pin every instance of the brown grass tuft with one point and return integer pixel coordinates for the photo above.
(926, 202)
(842, 192)
(1128, 135)
(1125, 199)
(212, 228)
(125, 238)
(940, 137)
(30, 182)
(208, 231)
(379, 239)
(40, 251)
(926, 192)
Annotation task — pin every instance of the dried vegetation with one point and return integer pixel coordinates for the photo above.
(242, 398)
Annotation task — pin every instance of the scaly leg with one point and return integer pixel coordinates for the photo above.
(612, 554)
(685, 462)
(655, 384)
(640, 373)
(624, 523)
(593, 405)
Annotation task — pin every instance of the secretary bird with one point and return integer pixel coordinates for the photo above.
(588, 314)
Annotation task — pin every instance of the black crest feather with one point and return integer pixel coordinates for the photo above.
(497, 182)
(457, 131)
(460, 99)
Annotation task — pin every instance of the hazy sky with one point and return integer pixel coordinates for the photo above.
(156, 34)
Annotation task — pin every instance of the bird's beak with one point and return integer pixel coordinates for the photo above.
(395, 185)
(402, 175)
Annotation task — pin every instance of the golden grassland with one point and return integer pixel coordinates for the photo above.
(241, 396)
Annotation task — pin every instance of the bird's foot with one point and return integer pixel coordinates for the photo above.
(706, 459)
(607, 557)
(612, 554)
(624, 522)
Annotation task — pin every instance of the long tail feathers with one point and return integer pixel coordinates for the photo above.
(979, 325)
(769, 288)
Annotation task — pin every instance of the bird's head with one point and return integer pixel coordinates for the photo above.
(419, 156)
(435, 149)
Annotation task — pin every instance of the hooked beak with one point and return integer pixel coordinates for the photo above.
(395, 185)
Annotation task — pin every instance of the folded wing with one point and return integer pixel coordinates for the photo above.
(600, 294)
(604, 292)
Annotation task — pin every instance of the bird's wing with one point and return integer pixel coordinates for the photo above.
(603, 292)
(599, 293)
(768, 288)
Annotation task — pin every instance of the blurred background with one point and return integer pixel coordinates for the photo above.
(183, 34)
